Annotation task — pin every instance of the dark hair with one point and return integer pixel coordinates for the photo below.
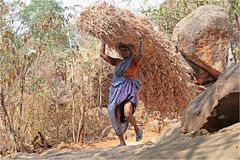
(130, 47)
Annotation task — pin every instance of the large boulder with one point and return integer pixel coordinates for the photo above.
(203, 37)
(217, 107)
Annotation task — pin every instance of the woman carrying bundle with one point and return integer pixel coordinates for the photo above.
(124, 88)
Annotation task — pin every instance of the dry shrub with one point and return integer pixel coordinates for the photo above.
(61, 99)
(165, 85)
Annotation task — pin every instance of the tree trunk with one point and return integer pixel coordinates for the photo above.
(73, 103)
(81, 126)
(2, 9)
(7, 121)
(21, 105)
(236, 19)
(57, 106)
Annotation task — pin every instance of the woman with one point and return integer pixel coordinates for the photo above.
(124, 88)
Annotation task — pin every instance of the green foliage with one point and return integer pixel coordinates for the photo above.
(234, 12)
(234, 7)
(37, 81)
(171, 12)
(45, 22)
(165, 17)
(8, 52)
(37, 8)
(236, 54)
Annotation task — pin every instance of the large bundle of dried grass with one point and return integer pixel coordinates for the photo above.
(164, 82)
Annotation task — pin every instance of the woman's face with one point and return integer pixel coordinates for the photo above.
(124, 51)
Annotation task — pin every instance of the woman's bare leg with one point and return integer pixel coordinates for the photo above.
(118, 116)
(128, 108)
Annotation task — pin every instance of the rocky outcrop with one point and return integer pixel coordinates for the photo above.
(217, 107)
(203, 38)
(222, 145)
(153, 126)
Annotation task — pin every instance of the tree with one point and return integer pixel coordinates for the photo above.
(234, 12)
(45, 21)
(46, 84)
(169, 13)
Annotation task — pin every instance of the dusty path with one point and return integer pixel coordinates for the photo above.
(106, 150)
(224, 144)
(148, 136)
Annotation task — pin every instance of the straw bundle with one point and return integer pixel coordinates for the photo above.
(164, 83)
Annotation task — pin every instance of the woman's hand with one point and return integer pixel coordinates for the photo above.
(138, 58)
(107, 58)
(141, 36)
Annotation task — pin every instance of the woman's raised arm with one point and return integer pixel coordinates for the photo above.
(141, 52)
(108, 59)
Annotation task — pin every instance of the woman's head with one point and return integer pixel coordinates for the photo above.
(125, 50)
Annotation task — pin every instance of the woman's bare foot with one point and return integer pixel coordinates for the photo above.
(122, 144)
(139, 134)
(122, 141)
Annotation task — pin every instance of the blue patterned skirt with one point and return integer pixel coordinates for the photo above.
(122, 91)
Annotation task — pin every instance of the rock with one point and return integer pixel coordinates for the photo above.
(100, 155)
(215, 146)
(144, 148)
(107, 131)
(167, 120)
(153, 126)
(206, 43)
(26, 156)
(200, 132)
(217, 107)
(170, 132)
(39, 143)
(175, 120)
(235, 127)
(149, 143)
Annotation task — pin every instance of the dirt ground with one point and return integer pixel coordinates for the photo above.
(169, 144)
(148, 136)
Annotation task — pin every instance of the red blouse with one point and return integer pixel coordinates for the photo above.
(132, 69)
